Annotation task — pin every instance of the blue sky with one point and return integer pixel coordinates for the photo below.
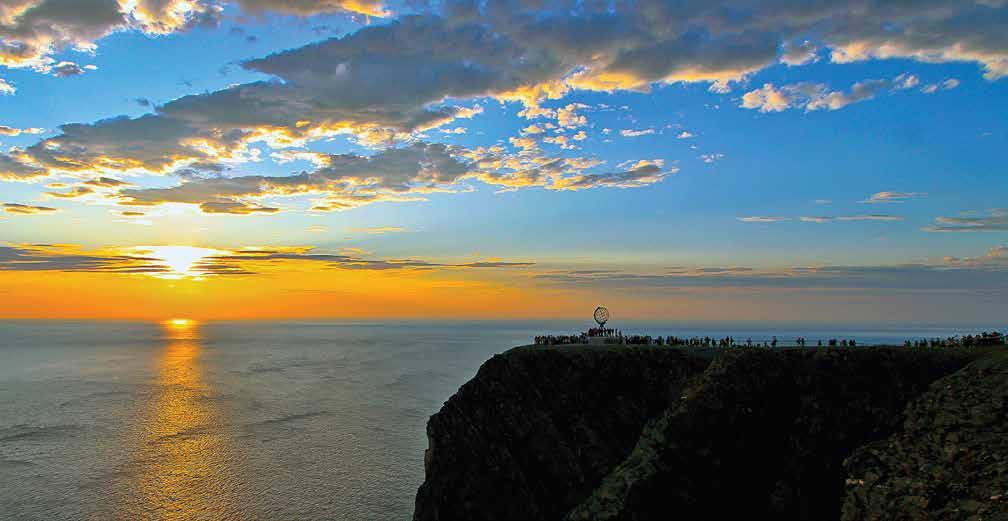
(741, 134)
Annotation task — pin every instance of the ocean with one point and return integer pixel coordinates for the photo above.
(254, 420)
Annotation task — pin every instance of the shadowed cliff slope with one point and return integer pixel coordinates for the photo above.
(660, 433)
(949, 460)
(763, 435)
(537, 428)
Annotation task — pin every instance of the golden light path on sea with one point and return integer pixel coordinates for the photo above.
(183, 454)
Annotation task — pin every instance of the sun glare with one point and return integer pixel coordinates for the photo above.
(180, 261)
(181, 329)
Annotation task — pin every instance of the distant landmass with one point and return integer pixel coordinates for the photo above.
(648, 432)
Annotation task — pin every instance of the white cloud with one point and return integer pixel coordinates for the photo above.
(763, 219)
(767, 99)
(799, 53)
(11, 131)
(817, 96)
(893, 197)
(637, 132)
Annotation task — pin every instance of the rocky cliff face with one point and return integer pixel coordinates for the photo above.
(533, 433)
(948, 461)
(623, 433)
(763, 435)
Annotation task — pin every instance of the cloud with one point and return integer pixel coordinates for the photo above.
(568, 116)
(378, 230)
(996, 256)
(31, 31)
(346, 181)
(343, 181)
(995, 221)
(822, 219)
(6, 89)
(948, 84)
(16, 166)
(533, 129)
(637, 133)
(24, 209)
(962, 277)
(13, 132)
(65, 69)
(767, 99)
(763, 219)
(235, 208)
(246, 259)
(383, 84)
(817, 96)
(313, 7)
(799, 53)
(211, 262)
(642, 174)
(711, 158)
(905, 81)
(41, 257)
(893, 197)
(870, 217)
(106, 182)
(75, 192)
(685, 134)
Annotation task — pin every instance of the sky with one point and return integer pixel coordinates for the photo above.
(736, 160)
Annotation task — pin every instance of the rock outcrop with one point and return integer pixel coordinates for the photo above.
(660, 433)
(950, 459)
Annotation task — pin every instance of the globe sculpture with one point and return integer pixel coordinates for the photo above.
(601, 315)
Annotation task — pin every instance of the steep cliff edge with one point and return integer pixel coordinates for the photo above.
(536, 429)
(660, 433)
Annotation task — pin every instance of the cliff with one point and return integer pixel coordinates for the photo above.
(537, 428)
(660, 433)
(948, 461)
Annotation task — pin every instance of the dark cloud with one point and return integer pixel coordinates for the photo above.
(32, 30)
(106, 182)
(345, 181)
(235, 208)
(386, 83)
(243, 258)
(964, 277)
(66, 69)
(26, 209)
(44, 257)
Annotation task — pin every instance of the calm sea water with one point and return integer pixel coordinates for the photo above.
(254, 420)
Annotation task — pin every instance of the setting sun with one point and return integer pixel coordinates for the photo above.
(180, 261)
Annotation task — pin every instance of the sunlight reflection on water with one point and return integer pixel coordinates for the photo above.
(183, 467)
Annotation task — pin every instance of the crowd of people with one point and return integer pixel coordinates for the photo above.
(984, 338)
(616, 336)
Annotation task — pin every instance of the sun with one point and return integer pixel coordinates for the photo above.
(180, 261)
